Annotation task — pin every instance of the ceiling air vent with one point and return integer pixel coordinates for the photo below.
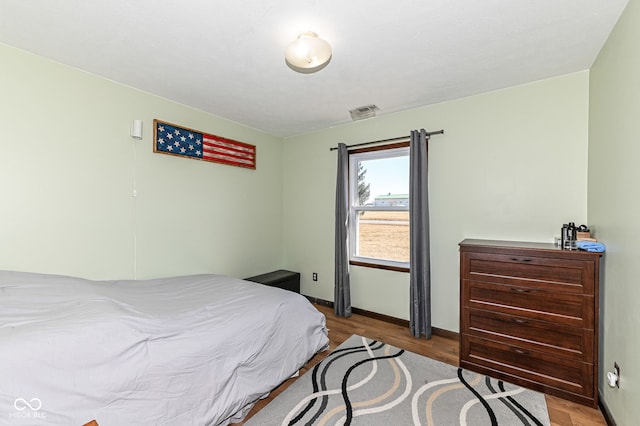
(360, 113)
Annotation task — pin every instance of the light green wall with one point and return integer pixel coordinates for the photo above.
(511, 165)
(66, 179)
(614, 206)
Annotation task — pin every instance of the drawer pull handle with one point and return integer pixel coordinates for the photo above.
(521, 290)
(521, 352)
(515, 259)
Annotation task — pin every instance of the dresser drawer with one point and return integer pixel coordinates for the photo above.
(545, 369)
(564, 275)
(542, 336)
(562, 308)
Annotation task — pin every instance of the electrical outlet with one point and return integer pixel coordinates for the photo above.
(616, 371)
(315, 276)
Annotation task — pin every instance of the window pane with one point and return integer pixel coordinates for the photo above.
(383, 182)
(384, 235)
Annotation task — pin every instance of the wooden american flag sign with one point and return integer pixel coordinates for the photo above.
(183, 142)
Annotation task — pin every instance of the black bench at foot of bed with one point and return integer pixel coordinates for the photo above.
(281, 278)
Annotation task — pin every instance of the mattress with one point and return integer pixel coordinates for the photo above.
(191, 350)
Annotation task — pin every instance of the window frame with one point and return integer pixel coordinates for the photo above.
(394, 150)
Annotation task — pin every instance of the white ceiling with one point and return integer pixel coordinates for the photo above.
(226, 58)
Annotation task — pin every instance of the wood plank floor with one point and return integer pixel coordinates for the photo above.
(561, 412)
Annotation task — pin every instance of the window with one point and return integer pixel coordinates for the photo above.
(379, 207)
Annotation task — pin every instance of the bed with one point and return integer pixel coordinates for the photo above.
(191, 350)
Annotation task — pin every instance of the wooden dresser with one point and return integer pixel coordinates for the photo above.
(529, 316)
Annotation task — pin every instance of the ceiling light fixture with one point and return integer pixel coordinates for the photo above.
(308, 53)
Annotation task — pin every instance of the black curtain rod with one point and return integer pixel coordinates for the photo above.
(437, 132)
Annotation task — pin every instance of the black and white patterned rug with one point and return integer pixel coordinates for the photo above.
(365, 382)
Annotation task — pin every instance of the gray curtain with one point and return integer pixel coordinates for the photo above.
(342, 291)
(420, 275)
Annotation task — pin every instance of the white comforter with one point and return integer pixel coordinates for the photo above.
(191, 350)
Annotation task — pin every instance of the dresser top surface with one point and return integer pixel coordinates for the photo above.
(524, 246)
